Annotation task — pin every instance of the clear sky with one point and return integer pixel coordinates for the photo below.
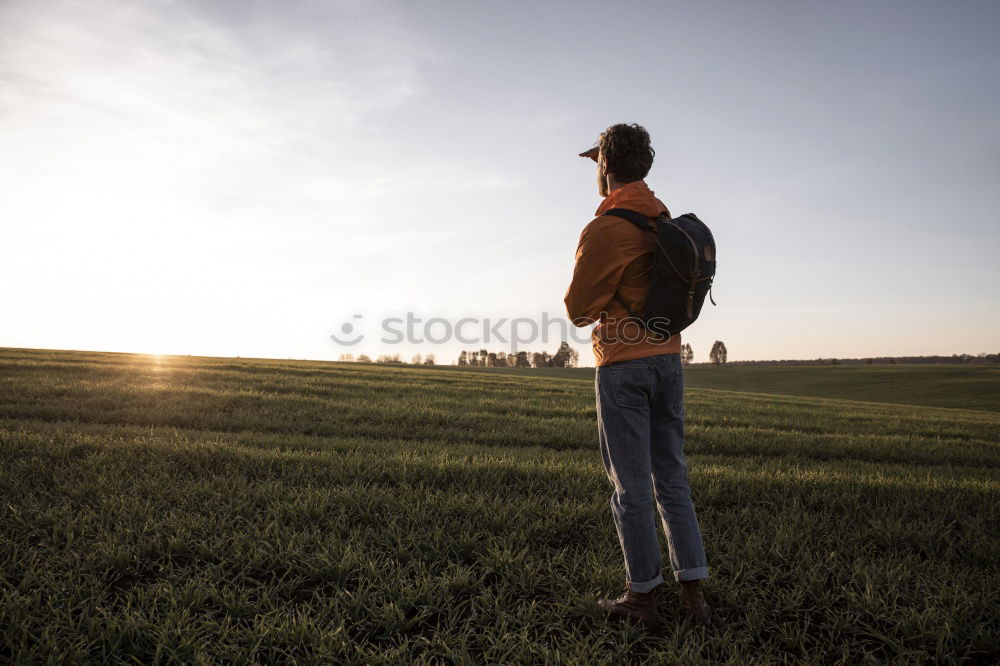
(243, 177)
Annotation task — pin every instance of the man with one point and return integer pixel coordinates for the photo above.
(639, 386)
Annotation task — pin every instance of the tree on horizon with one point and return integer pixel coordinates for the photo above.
(687, 354)
(718, 354)
(565, 357)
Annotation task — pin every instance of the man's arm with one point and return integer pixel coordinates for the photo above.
(598, 270)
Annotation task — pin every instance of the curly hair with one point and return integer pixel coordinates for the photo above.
(626, 150)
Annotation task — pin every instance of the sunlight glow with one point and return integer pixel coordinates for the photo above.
(237, 179)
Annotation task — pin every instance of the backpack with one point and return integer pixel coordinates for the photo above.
(682, 274)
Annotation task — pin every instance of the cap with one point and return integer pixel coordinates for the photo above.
(591, 153)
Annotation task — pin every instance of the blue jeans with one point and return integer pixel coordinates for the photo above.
(640, 419)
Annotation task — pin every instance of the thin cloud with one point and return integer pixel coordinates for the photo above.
(212, 110)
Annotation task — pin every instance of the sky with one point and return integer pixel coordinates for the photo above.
(249, 178)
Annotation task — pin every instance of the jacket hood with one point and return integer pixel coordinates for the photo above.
(633, 196)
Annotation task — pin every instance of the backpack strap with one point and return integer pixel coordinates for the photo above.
(644, 223)
(635, 218)
(631, 312)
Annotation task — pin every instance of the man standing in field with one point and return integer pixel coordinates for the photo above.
(639, 386)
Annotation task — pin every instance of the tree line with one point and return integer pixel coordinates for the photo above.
(956, 359)
(718, 356)
(565, 357)
(418, 359)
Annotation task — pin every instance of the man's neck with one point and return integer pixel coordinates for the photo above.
(613, 184)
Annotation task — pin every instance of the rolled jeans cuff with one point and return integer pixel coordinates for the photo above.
(685, 575)
(646, 586)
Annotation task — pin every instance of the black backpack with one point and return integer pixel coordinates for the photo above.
(683, 270)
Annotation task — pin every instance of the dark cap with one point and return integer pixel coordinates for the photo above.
(591, 153)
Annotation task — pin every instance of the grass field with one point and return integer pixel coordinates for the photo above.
(196, 510)
(931, 385)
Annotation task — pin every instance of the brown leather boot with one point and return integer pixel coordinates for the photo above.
(638, 606)
(693, 604)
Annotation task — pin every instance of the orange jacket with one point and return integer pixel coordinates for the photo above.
(615, 255)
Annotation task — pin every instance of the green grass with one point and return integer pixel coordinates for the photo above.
(195, 510)
(930, 385)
